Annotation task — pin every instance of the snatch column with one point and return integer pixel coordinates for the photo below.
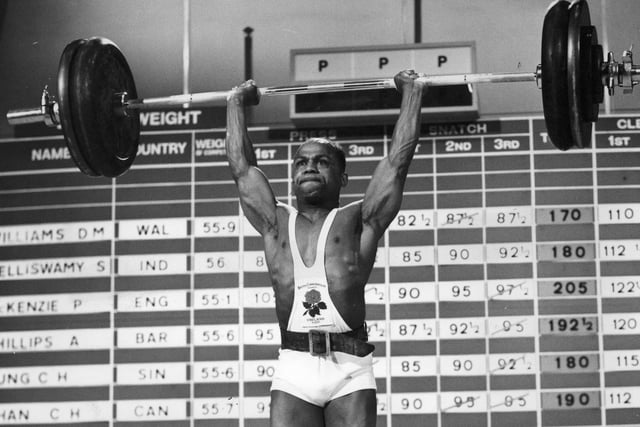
(460, 264)
(511, 289)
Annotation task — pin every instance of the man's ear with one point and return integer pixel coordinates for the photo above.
(344, 179)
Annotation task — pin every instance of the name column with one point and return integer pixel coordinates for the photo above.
(55, 282)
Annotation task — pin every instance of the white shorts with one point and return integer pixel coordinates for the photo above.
(320, 379)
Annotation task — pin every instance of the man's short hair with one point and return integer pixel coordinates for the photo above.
(335, 148)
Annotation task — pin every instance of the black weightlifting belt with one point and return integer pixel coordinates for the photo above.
(323, 343)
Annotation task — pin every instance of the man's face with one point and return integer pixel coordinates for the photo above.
(316, 172)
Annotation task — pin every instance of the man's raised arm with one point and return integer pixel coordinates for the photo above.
(256, 196)
(383, 196)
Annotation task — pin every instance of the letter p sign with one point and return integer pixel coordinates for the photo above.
(323, 63)
(382, 61)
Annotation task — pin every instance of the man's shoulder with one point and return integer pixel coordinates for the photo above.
(352, 210)
(283, 205)
(352, 207)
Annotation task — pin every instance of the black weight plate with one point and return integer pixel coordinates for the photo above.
(81, 158)
(555, 101)
(580, 125)
(590, 77)
(110, 140)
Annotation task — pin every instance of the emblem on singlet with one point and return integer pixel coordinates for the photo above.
(313, 304)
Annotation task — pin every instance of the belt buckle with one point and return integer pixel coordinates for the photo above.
(313, 333)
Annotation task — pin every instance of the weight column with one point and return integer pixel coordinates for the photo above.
(217, 230)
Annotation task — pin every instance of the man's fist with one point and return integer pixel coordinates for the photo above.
(409, 79)
(245, 94)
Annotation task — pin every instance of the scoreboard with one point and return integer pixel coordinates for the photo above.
(506, 292)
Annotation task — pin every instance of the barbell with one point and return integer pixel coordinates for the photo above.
(98, 109)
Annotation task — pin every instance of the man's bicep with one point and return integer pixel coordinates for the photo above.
(383, 197)
(257, 200)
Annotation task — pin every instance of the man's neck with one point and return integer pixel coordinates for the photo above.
(313, 211)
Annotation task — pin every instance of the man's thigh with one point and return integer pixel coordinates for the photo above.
(290, 411)
(357, 409)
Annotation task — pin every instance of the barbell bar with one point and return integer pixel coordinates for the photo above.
(98, 107)
(215, 98)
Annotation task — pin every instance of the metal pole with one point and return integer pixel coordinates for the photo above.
(417, 21)
(248, 53)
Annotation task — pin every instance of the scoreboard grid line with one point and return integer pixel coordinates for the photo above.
(192, 289)
(113, 296)
(436, 278)
(600, 317)
(485, 274)
(387, 309)
(41, 189)
(241, 323)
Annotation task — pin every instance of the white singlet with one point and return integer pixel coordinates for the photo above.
(312, 304)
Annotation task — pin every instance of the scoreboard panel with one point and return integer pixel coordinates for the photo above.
(505, 292)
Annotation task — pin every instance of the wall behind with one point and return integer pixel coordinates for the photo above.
(35, 32)
(151, 34)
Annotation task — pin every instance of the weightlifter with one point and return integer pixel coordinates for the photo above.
(320, 256)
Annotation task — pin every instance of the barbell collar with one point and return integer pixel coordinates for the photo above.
(50, 109)
(622, 74)
(627, 72)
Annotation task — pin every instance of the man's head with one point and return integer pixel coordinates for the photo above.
(333, 146)
(319, 171)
